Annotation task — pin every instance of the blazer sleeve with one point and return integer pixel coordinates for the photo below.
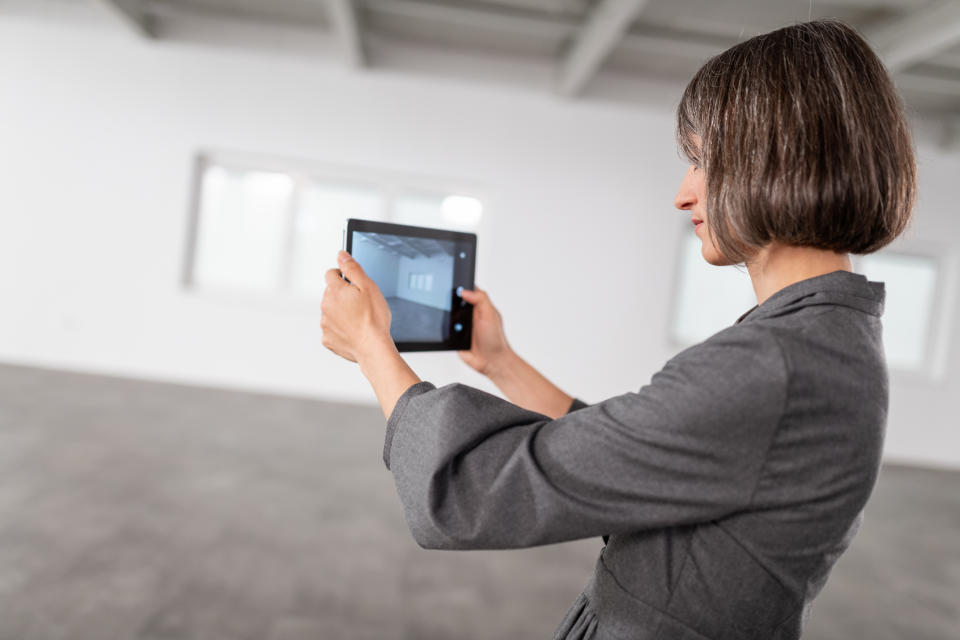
(474, 471)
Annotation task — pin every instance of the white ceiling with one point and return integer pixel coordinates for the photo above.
(588, 39)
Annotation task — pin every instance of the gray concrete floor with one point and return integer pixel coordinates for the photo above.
(138, 510)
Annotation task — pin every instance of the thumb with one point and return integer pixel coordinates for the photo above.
(351, 268)
(473, 295)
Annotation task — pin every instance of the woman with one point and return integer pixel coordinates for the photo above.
(726, 488)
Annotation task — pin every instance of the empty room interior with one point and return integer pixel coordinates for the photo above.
(207, 432)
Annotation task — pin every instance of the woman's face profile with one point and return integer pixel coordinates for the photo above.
(692, 197)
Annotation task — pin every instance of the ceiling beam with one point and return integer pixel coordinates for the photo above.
(919, 35)
(687, 45)
(546, 27)
(602, 30)
(504, 20)
(343, 16)
(873, 4)
(681, 45)
(132, 13)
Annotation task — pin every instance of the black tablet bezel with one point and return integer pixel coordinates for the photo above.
(463, 313)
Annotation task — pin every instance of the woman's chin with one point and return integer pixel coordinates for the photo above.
(712, 256)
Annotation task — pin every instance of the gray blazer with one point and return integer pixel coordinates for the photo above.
(724, 490)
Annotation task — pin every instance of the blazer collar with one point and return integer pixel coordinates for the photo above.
(842, 288)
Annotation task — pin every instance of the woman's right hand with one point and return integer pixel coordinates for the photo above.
(488, 345)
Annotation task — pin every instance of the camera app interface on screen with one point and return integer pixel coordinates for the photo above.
(421, 279)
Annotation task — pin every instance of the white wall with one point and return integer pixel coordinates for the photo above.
(98, 133)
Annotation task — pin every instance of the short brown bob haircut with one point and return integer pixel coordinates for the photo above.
(803, 140)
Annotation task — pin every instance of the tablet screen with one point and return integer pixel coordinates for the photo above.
(420, 272)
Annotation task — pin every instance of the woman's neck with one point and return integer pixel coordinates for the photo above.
(777, 266)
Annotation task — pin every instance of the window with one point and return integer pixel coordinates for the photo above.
(321, 210)
(274, 227)
(241, 227)
(422, 281)
(911, 283)
(707, 298)
(710, 298)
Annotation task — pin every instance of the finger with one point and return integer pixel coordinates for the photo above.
(352, 269)
(332, 278)
(478, 301)
(474, 295)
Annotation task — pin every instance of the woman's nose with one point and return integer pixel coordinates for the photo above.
(686, 196)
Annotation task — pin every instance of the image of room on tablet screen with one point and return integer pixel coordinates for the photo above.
(415, 275)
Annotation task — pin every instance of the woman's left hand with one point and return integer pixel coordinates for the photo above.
(354, 316)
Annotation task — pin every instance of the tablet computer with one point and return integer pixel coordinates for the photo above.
(421, 272)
